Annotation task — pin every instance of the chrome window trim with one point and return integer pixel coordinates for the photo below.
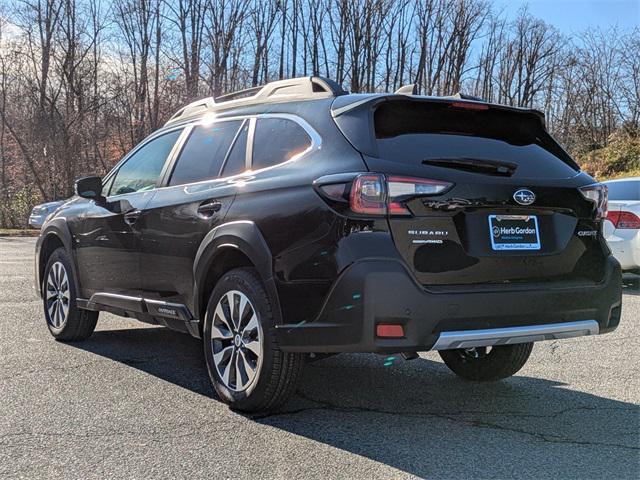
(316, 143)
(248, 161)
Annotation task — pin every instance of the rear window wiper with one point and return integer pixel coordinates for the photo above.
(490, 167)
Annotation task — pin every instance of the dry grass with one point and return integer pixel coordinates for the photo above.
(19, 232)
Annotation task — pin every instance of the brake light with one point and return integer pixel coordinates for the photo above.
(624, 220)
(375, 194)
(598, 194)
(368, 195)
(470, 106)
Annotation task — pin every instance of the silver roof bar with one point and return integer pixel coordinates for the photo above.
(301, 88)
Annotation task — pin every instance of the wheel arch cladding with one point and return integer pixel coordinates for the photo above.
(56, 235)
(228, 246)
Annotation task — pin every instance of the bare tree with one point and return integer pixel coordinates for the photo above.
(82, 81)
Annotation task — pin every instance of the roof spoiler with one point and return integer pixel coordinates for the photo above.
(409, 89)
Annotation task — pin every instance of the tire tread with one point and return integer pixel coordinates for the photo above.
(287, 367)
(80, 323)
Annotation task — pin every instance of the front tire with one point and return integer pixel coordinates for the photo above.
(248, 370)
(65, 320)
(483, 365)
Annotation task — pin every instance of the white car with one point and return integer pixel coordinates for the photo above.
(622, 226)
(41, 212)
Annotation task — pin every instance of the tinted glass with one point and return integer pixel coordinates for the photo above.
(204, 152)
(413, 132)
(107, 186)
(142, 170)
(277, 140)
(627, 190)
(237, 157)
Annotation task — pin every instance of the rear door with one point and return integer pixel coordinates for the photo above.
(197, 193)
(513, 212)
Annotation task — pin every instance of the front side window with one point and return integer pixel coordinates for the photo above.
(204, 152)
(106, 186)
(277, 140)
(142, 169)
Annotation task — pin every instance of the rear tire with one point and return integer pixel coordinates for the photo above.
(481, 366)
(65, 320)
(248, 370)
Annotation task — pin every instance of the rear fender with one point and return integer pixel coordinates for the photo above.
(245, 237)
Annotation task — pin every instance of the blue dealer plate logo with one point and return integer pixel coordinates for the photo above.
(514, 232)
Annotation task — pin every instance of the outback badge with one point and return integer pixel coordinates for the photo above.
(524, 196)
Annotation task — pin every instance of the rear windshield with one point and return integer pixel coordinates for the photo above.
(624, 190)
(409, 131)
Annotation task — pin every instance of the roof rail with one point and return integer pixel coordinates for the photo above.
(301, 88)
(248, 92)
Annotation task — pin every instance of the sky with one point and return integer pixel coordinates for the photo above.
(571, 16)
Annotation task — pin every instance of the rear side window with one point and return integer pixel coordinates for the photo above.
(416, 131)
(142, 169)
(236, 161)
(204, 152)
(624, 190)
(277, 140)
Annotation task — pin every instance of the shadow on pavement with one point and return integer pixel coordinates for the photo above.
(417, 417)
(631, 284)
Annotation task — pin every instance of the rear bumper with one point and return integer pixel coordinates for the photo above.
(382, 291)
(512, 335)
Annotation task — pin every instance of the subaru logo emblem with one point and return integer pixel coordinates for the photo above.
(524, 196)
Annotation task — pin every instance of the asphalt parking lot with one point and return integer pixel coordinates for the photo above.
(134, 401)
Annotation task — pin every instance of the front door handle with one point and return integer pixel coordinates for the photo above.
(131, 217)
(209, 208)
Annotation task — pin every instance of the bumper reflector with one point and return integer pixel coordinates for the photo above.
(389, 330)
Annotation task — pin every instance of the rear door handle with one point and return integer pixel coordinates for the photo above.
(209, 208)
(131, 217)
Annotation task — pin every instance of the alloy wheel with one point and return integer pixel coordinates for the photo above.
(57, 295)
(236, 341)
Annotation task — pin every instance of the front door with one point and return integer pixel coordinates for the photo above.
(107, 238)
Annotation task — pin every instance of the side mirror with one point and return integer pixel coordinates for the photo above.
(91, 188)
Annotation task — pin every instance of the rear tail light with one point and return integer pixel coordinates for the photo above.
(596, 193)
(334, 191)
(374, 194)
(624, 220)
(368, 195)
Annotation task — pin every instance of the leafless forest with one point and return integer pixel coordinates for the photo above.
(82, 81)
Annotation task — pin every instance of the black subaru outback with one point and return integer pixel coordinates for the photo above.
(285, 222)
